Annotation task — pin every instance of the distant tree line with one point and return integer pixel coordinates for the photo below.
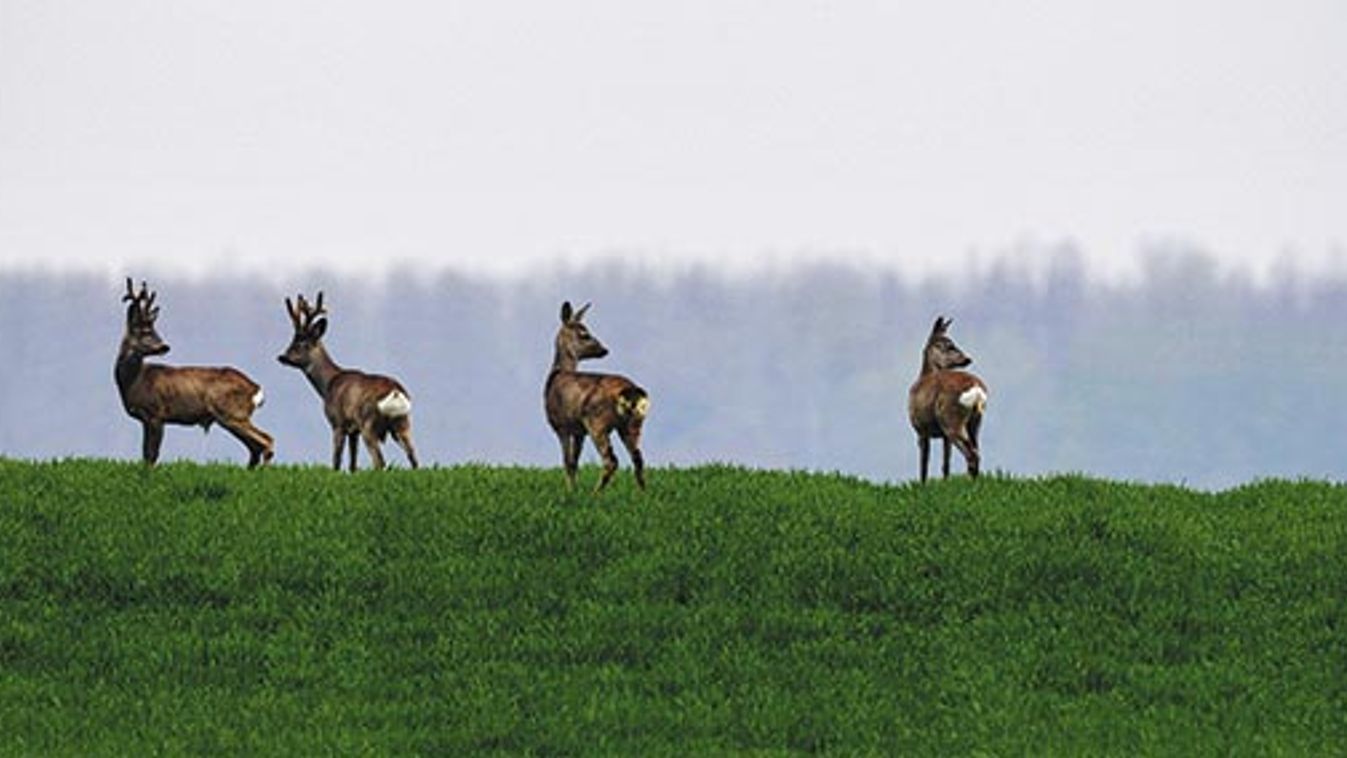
(1191, 373)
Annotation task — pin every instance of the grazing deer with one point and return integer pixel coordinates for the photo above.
(188, 395)
(945, 402)
(357, 404)
(580, 404)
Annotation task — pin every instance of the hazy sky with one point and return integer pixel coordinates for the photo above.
(497, 135)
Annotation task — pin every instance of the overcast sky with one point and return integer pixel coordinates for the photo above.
(498, 135)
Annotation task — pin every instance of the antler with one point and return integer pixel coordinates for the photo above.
(303, 315)
(142, 303)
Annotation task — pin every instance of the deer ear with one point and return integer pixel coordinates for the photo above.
(318, 329)
(581, 313)
(939, 326)
(566, 312)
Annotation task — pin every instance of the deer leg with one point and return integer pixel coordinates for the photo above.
(338, 441)
(402, 433)
(269, 446)
(924, 446)
(150, 441)
(258, 442)
(605, 448)
(372, 444)
(631, 439)
(571, 445)
(944, 462)
(263, 448)
(565, 441)
(404, 439)
(970, 453)
(353, 445)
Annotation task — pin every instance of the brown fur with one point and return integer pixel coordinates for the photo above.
(193, 396)
(580, 404)
(933, 402)
(350, 398)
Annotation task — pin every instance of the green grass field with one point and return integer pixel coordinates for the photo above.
(209, 609)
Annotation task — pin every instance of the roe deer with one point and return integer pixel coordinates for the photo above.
(946, 403)
(188, 395)
(357, 404)
(580, 404)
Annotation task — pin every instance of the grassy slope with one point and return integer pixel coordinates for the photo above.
(293, 610)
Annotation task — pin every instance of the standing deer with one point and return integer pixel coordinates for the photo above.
(187, 395)
(357, 404)
(580, 404)
(945, 402)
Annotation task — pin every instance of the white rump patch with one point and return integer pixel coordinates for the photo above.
(258, 399)
(974, 398)
(394, 404)
(637, 408)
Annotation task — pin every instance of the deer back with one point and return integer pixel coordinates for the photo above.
(577, 400)
(945, 400)
(194, 394)
(354, 397)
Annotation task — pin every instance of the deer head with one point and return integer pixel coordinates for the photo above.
(141, 339)
(574, 342)
(941, 354)
(306, 345)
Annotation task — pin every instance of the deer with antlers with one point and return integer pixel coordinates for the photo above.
(947, 403)
(367, 406)
(580, 404)
(157, 395)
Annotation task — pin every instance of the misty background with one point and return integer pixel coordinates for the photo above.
(1132, 211)
(1190, 373)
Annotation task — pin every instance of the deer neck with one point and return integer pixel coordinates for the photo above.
(321, 371)
(127, 369)
(927, 367)
(564, 360)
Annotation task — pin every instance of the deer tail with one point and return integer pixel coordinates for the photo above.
(395, 404)
(633, 403)
(974, 399)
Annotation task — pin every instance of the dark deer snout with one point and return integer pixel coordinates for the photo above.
(150, 345)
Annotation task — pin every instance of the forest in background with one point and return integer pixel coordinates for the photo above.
(1190, 373)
